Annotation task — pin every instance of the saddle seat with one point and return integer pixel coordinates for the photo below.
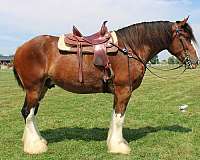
(97, 38)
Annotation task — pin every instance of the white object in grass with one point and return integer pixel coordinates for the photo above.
(183, 107)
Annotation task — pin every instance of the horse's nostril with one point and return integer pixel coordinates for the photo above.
(194, 66)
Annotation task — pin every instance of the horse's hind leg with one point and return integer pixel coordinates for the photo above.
(34, 143)
(115, 141)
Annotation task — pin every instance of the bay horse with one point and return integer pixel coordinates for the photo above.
(39, 64)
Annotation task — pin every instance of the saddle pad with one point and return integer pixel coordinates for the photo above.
(89, 49)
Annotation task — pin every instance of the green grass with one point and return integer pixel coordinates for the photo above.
(76, 126)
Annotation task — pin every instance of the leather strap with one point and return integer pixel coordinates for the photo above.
(80, 61)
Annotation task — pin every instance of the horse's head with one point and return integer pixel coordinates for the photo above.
(182, 44)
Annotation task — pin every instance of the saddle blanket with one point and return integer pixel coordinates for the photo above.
(64, 47)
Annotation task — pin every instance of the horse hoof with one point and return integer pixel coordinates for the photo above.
(120, 147)
(44, 141)
(36, 147)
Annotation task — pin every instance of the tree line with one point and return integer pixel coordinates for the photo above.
(170, 60)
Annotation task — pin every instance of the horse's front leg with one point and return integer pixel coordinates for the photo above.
(115, 141)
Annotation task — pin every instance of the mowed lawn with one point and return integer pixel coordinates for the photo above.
(76, 126)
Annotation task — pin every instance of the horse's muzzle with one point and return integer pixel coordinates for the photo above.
(193, 66)
(190, 64)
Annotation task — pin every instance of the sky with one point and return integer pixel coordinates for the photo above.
(22, 20)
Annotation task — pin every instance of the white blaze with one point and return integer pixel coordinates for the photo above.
(195, 47)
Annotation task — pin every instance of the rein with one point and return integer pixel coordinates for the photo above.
(171, 69)
(131, 55)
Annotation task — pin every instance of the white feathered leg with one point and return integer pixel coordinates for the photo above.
(34, 143)
(115, 141)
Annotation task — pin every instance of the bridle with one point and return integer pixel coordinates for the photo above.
(187, 61)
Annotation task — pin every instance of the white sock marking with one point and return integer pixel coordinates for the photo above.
(33, 141)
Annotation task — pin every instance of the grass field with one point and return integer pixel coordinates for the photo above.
(76, 126)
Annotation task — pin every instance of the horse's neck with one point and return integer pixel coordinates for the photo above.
(147, 39)
(148, 51)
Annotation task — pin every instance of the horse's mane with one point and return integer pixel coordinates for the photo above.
(158, 33)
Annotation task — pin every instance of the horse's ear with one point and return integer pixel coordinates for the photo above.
(184, 21)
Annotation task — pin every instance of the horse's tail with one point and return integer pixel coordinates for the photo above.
(17, 78)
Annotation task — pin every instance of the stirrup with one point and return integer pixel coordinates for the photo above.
(109, 74)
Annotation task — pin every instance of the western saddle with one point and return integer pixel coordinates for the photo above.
(97, 38)
(98, 44)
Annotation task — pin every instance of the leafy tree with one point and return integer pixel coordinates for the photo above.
(155, 60)
(164, 61)
(173, 60)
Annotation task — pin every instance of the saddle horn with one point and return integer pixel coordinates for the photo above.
(104, 29)
(77, 32)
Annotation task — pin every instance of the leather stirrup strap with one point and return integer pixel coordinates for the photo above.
(80, 61)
